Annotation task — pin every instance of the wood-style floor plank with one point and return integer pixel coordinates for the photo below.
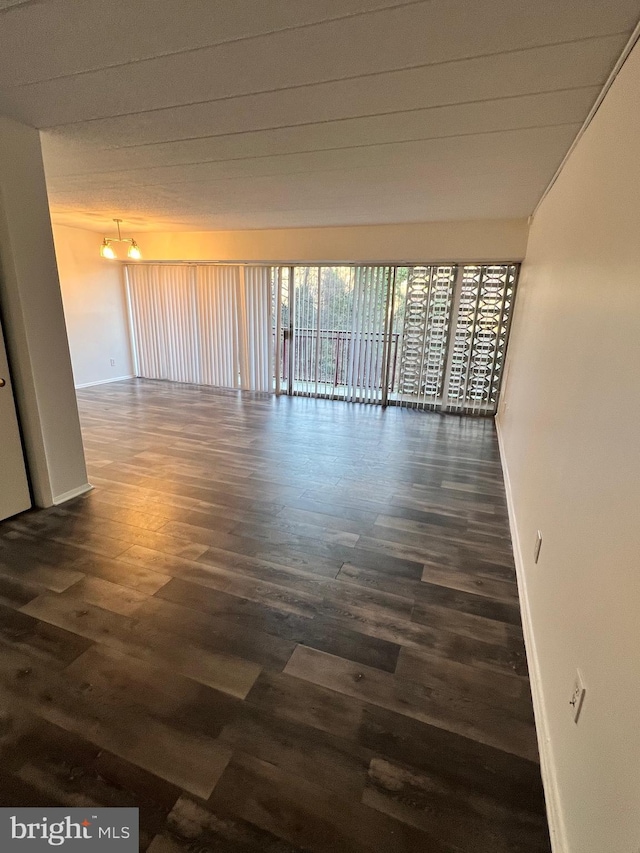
(437, 705)
(275, 625)
(189, 760)
(230, 674)
(311, 817)
(229, 614)
(46, 764)
(414, 798)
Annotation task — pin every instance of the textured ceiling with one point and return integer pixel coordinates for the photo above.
(211, 114)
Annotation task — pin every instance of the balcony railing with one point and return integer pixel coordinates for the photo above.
(332, 354)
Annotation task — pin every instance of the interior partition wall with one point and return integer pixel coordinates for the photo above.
(422, 336)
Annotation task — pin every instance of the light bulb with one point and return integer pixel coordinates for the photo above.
(106, 251)
(134, 252)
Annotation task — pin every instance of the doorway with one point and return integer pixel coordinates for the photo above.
(421, 336)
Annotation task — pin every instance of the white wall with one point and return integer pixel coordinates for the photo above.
(95, 307)
(570, 430)
(481, 240)
(34, 321)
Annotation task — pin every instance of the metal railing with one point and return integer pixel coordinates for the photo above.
(342, 357)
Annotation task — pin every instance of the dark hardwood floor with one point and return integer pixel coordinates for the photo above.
(274, 625)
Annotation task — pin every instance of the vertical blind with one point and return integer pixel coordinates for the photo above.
(332, 331)
(203, 324)
(164, 320)
(219, 354)
(255, 321)
(368, 337)
(422, 336)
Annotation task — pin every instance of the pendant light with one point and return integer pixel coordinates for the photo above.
(134, 251)
(107, 250)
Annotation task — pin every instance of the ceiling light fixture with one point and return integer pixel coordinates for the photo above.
(107, 250)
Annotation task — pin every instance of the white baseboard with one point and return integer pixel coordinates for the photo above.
(73, 493)
(105, 381)
(557, 829)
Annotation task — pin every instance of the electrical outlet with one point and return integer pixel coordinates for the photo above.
(537, 546)
(112, 361)
(577, 696)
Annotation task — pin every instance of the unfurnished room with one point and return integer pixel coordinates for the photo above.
(319, 406)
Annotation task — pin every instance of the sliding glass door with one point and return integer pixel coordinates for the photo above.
(421, 336)
(333, 332)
